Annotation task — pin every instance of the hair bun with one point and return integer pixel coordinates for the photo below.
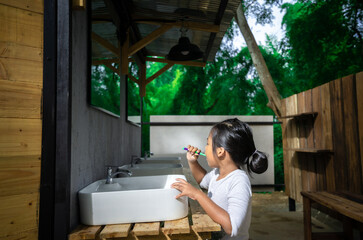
(258, 162)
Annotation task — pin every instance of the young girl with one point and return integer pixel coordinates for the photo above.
(231, 151)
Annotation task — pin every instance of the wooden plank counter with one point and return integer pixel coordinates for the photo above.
(197, 225)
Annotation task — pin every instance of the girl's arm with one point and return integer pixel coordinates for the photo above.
(216, 213)
(197, 170)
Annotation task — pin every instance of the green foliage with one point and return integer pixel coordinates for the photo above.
(133, 99)
(324, 40)
(105, 89)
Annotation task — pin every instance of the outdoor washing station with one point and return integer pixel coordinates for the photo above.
(169, 158)
(146, 199)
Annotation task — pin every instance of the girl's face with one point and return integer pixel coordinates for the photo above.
(211, 159)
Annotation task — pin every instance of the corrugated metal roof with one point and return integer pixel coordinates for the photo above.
(142, 12)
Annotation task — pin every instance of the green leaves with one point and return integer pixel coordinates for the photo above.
(323, 40)
(105, 89)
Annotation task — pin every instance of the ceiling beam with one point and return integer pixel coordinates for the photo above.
(114, 14)
(106, 44)
(197, 26)
(185, 63)
(140, 13)
(148, 39)
(132, 78)
(217, 21)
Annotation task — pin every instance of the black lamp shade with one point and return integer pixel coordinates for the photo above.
(184, 51)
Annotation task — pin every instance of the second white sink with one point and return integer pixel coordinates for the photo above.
(152, 169)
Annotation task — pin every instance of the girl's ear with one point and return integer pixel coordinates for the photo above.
(220, 151)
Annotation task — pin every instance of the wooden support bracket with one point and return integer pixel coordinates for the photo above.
(196, 233)
(106, 44)
(132, 78)
(148, 39)
(115, 70)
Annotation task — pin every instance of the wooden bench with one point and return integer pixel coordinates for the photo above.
(350, 209)
(197, 225)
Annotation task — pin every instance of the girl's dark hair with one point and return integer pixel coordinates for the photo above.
(236, 138)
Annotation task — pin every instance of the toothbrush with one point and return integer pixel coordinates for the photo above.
(196, 152)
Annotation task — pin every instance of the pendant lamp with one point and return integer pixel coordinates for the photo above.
(184, 50)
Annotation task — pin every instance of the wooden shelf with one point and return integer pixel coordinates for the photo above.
(301, 115)
(310, 150)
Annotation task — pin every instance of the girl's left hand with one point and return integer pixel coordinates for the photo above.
(185, 188)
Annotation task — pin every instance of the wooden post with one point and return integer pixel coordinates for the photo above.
(259, 62)
(307, 218)
(142, 79)
(125, 56)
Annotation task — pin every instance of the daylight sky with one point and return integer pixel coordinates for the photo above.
(259, 30)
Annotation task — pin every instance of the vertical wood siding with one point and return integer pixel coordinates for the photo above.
(323, 138)
(21, 69)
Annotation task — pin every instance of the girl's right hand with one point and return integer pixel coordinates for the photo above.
(193, 153)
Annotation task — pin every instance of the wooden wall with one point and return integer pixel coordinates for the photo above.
(323, 138)
(21, 68)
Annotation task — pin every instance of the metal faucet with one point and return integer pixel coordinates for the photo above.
(110, 175)
(134, 160)
(148, 154)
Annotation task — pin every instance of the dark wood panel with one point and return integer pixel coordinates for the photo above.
(301, 122)
(309, 128)
(351, 134)
(318, 136)
(337, 125)
(303, 129)
(285, 146)
(327, 139)
(338, 135)
(359, 91)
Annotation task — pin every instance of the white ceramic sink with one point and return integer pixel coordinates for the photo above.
(152, 169)
(132, 199)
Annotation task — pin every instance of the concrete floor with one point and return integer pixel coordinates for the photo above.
(272, 220)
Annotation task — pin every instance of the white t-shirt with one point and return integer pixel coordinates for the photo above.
(233, 194)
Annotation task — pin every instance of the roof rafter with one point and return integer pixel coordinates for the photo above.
(219, 16)
(149, 38)
(106, 44)
(197, 26)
